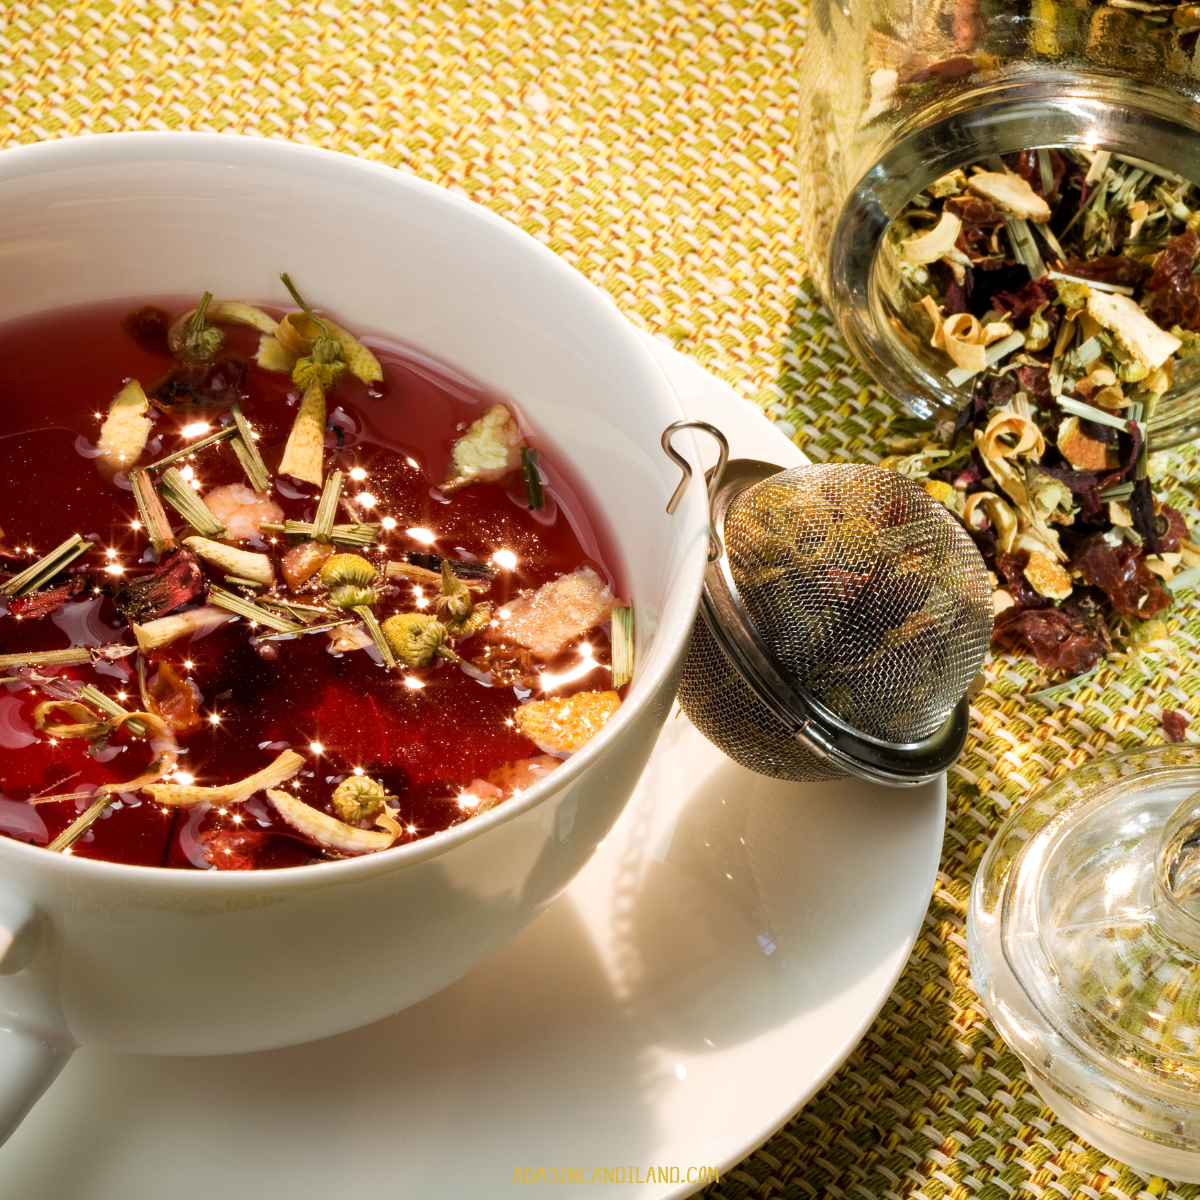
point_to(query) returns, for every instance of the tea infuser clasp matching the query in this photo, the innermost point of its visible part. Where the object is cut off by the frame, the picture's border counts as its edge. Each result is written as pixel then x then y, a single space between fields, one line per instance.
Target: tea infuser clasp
pixel 714 483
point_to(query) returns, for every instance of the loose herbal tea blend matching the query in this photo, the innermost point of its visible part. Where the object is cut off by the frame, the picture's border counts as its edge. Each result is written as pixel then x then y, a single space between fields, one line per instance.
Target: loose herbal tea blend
pixel 1059 286
pixel 273 596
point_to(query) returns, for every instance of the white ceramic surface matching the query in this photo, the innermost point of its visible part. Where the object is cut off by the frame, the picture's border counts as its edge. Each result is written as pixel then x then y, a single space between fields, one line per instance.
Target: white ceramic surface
pixel 184 962
pixel 697 983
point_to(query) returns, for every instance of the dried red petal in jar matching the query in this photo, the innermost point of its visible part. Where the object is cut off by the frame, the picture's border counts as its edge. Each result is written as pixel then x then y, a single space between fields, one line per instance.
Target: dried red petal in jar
pixel 1116 269
pixel 200 387
pixel 1172 291
pixel 1121 575
pixel 173 699
pixel 1020 305
pixel 1172 529
pixel 1012 567
pixel 177 579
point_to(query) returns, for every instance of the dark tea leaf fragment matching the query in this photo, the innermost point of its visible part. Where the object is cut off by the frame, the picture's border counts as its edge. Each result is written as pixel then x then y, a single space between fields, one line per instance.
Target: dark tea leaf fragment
pixel 200 387
pixel 148 327
pixel 177 579
pixel 464 570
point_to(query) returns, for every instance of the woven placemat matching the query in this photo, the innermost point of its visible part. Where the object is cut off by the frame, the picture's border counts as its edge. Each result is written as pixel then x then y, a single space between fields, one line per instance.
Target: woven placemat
pixel 651 145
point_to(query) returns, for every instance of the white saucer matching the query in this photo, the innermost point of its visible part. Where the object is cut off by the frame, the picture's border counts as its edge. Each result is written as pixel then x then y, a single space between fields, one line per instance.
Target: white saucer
pixel 713 965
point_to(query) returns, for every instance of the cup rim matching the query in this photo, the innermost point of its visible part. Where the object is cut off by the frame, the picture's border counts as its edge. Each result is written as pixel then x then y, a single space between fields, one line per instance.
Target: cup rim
pixel 234 150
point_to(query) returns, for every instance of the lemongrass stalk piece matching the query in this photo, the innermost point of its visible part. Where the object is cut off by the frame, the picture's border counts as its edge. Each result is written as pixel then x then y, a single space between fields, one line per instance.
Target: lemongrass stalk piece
pixel 325 830
pixel 247 452
pixel 303 456
pixel 250 610
pixel 183 499
pixel 341 535
pixel 186 794
pixel 165 630
pixel 244 563
pixel 46 567
pixel 622 646
pixel 372 624
pixel 226 431
pixel 331 496
pixel 79 654
pixel 154 516
pixel 273 355
pixel 125 430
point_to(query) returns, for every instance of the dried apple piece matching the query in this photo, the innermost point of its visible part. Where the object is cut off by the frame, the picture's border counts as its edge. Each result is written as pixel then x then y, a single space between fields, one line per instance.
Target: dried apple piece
pixel 302 562
pixel 326 830
pixel 125 430
pixel 245 564
pixel 197 623
pixel 488 451
pixel 172 699
pixel 548 619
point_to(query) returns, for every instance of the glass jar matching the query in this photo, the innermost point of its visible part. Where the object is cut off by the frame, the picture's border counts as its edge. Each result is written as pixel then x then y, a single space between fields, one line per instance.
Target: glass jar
pixel 1083 932
pixel 896 95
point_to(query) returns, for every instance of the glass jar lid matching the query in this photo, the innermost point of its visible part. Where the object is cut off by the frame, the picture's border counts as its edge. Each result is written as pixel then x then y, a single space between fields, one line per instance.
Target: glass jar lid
pixel 1084 939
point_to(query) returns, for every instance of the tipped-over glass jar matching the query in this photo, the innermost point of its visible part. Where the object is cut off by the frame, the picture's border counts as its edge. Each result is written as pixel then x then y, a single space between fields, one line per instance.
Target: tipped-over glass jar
pixel 896 97
pixel 1084 939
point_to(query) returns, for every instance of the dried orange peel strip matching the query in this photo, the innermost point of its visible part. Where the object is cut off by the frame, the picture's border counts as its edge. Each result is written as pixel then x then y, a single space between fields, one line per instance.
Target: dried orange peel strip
pixel 566 724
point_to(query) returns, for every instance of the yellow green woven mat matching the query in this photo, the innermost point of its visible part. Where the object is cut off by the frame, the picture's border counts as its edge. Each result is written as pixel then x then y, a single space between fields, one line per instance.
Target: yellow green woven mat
pixel 651 145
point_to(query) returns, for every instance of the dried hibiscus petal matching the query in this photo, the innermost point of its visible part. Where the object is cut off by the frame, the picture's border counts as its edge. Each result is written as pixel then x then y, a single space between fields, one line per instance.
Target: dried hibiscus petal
pixel 255 850
pixel 1121 575
pixel 177 579
pixel 1028 167
pixel 1025 301
pixel 40 604
pixel 200 387
pixel 1116 269
pixel 1066 640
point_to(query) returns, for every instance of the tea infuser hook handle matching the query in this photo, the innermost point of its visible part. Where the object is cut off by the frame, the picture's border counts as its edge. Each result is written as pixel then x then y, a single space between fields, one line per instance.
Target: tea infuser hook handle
pixel 714 537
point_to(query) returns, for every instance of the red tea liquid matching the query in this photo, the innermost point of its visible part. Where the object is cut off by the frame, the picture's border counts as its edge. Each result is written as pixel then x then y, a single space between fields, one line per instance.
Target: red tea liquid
pixel 59 373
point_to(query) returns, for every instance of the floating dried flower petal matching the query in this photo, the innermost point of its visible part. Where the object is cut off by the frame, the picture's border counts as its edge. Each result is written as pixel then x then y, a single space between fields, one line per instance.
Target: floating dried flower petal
pixel 176 579
pixel 300 563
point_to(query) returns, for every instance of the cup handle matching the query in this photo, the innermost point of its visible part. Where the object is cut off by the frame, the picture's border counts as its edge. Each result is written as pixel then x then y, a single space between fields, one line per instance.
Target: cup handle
pixel 29 1059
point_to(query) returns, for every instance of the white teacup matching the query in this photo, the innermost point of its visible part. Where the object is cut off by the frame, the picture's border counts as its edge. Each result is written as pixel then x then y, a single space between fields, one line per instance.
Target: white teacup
pixel 181 962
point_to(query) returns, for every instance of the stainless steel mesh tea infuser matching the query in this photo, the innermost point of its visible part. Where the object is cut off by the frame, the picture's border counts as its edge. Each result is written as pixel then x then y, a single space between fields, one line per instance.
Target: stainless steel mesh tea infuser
pixel 844 614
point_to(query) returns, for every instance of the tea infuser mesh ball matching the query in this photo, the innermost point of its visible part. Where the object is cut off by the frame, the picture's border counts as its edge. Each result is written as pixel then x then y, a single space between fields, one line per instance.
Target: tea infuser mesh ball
pixel 844 614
